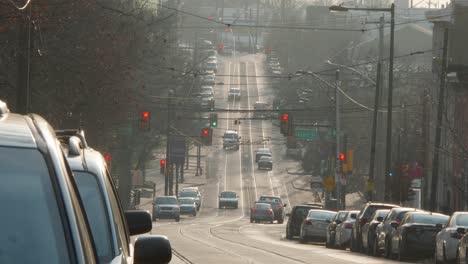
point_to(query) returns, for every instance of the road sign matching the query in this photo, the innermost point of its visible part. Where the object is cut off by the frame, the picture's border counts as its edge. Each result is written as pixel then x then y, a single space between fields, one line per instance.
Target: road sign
pixel 307 134
pixel 329 183
pixel 177 149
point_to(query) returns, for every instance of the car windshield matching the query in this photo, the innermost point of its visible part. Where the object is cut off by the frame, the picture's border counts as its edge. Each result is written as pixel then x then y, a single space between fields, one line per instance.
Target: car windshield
pixel 186 201
pixel 302 212
pixel 262 206
pixel 97 213
pixel 429 219
pixel 341 216
pixel 264 158
pixel 31 225
pixel 188 194
pixel 228 195
pixel 166 200
pixel 321 215
pixel 230 136
pixel 270 199
pixel 462 220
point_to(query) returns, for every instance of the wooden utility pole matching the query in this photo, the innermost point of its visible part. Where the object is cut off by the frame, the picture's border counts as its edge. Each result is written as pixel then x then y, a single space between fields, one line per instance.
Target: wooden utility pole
pixel 24 64
pixel 440 108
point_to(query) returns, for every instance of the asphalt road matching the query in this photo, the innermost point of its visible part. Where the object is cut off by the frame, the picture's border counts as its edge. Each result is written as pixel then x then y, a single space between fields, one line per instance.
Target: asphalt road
pixel 226 235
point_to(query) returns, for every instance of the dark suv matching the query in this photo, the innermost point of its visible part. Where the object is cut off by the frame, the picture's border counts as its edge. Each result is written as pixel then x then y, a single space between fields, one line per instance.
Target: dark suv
pixel 296 217
pixel 362 218
pixel 44 220
pixel 106 218
pixel 277 206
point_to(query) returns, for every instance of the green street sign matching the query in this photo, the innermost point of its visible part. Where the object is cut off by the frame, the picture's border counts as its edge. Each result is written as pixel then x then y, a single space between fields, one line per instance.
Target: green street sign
pixel 307 134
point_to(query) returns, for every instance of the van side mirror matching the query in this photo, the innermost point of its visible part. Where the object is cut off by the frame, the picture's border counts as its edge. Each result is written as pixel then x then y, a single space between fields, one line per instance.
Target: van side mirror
pixel 380 218
pixel 337 221
pixel 394 224
pixel 152 249
pixel 461 230
pixel 327 221
pixel 139 222
pixel 285 205
pixel 353 216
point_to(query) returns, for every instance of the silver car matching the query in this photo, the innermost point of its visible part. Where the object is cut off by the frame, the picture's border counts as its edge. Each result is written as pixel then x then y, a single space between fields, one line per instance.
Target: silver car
pixel 166 207
pixel 192 192
pixel 447 239
pixel 265 163
pixel 188 206
pixel 462 252
pixel 343 230
pixel 262 212
pixel 314 226
pixel 228 199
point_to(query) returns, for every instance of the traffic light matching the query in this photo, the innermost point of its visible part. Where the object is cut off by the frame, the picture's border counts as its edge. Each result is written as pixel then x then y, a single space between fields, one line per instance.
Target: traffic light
pixel 220 47
pixel 276 105
pixel 144 123
pixel 207 136
pixel 108 161
pixel 285 126
pixel 213 120
pixel 211 105
pixel 342 157
pixel 162 164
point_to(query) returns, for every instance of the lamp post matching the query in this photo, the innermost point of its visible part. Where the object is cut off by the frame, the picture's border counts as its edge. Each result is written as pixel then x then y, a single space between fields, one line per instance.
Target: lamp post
pixel 388 154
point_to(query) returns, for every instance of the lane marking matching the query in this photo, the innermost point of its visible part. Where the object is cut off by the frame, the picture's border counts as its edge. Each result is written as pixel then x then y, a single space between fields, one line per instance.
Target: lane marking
pixel 250 136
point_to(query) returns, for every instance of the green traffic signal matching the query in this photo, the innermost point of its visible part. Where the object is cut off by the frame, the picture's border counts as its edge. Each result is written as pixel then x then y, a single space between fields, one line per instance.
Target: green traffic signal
pixel 214 124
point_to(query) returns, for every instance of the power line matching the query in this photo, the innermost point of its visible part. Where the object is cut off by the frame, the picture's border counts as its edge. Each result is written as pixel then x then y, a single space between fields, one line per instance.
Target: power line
pixel 21 8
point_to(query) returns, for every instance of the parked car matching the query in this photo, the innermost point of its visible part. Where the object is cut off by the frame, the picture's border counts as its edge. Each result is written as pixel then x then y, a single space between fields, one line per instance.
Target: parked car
pixel 211 66
pixel 462 249
pixel 368 230
pixel 265 163
pixel 234 93
pixel 331 229
pixel 208 79
pixel 447 239
pixel 166 207
pixel 99 197
pixel 384 231
pixel 228 199
pixel 231 139
pixel 343 230
pixel 277 205
pixel 296 217
pixel 192 192
pixel 207 89
pixel 262 212
pixel 188 206
pixel 314 226
pixel 415 236
pixel 262 152
pixel 362 219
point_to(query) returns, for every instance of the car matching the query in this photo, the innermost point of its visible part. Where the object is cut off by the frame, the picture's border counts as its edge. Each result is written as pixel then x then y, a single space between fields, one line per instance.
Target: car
pixel 228 199
pixel 295 218
pixel 207 89
pixel 234 93
pixel 166 207
pixel 231 139
pixel 362 219
pixel 212 59
pixel 277 205
pixel 331 228
pixel 462 248
pixel 188 206
pixel 208 95
pixel 99 197
pixel 206 101
pixel 260 108
pixel 193 192
pixel 448 238
pixel 211 66
pixel 384 231
pixel 314 226
pixel 262 212
pixel 262 152
pixel 343 230
pixel 44 220
pixel 368 230
pixel 415 236
pixel 208 79
pixel 265 163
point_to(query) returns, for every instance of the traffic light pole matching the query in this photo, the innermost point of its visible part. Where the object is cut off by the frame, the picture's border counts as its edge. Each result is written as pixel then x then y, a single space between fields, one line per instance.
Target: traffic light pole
pixel 168 149
pixel 339 170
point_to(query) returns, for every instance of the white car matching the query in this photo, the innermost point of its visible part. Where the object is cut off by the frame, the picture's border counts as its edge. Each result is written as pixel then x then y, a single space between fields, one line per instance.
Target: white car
pixel 234 93
pixel 343 230
pixel 447 239
pixel 209 79
pixel 192 192
pixel 231 139
pixel 207 89
pixel 211 66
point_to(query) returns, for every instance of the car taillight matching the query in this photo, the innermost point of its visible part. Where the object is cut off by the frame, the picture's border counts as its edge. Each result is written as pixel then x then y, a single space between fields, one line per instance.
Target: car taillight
pixel 253 211
pixel 270 211
pixel 308 222
pixel 456 235
pixel 280 206
pixel 348 226
pixel 362 221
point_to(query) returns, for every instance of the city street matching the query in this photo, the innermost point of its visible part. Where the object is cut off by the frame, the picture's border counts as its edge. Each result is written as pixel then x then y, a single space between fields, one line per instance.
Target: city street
pixel 226 235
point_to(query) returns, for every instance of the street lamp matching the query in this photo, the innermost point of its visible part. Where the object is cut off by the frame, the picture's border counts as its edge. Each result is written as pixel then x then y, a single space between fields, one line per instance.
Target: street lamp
pixel 388 154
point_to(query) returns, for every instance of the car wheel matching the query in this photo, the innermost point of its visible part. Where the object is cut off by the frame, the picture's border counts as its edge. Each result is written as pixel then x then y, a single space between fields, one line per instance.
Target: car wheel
pixel 352 247
pixel 271 221
pixel 302 240
pixel 237 206
pixel 280 221
pixel 177 219
pixel 251 220
pixel 388 249
pixel 375 250
pixel 288 234
pixel 401 254
pixel 444 254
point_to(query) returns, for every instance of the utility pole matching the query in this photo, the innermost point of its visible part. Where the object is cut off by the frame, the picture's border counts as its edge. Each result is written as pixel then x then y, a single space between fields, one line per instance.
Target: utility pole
pixel 371 182
pixel 197 173
pixel 440 108
pixel 388 154
pixel 256 25
pixel 168 147
pixel 338 169
pixel 24 64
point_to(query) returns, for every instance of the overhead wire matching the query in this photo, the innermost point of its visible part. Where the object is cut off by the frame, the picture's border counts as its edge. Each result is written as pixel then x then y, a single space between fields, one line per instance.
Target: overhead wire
pixel 21 8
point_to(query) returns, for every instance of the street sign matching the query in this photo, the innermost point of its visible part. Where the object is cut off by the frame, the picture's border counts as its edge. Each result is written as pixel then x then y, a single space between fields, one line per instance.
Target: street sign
pixel 177 149
pixel 307 134
pixel 329 183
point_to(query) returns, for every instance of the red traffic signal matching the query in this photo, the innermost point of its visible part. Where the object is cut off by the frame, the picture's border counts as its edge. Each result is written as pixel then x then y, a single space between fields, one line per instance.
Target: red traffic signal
pixel 162 162
pixel 145 114
pixel 108 158
pixel 205 132
pixel 285 117
pixel 341 157
pixel 220 46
